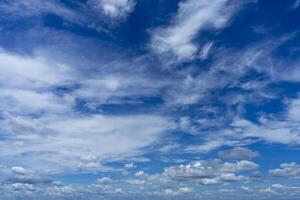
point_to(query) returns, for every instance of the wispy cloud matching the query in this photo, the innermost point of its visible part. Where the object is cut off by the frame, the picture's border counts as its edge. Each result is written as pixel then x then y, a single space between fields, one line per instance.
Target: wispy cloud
pixel 132 122
pixel 191 19
pixel 38 118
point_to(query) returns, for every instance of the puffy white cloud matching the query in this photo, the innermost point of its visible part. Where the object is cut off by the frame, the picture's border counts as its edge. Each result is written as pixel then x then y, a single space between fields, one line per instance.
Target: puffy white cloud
pixel 23 187
pixel 185 190
pixel 170 192
pixel 176 192
pixel 119 190
pixel 230 177
pixel 211 172
pixel 104 181
pixel 140 173
pixel 198 170
pixel 286 170
pixel 22 177
pixel 21 171
pixel 239 166
pixel 114 9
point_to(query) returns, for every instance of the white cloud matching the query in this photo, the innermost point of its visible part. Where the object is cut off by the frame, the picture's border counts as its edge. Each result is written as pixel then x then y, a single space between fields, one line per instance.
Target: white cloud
pixel 129 165
pixel 104 181
pixel 114 9
pixel 189 90
pixel 238 153
pixel 140 173
pixel 294 110
pixel 270 131
pixel 29 72
pixel 287 170
pixel 280 190
pixel 30 101
pixel 37 118
pixel 239 166
pixel 185 190
pixel 44 125
pixel 193 16
pixel 170 192
pixel 135 182
pixel 89 14
pixel 241 132
pixel 230 177
pixel 211 172
pixel 209 145
pixel 18 9
pixel 205 51
pixel 89 162
pixel 247 189
pixel 70 137
pixel 21 171
pixel 169 148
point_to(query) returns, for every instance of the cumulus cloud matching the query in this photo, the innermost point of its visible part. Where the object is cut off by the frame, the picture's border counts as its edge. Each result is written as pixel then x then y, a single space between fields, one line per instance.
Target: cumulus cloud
pixel 286 170
pixel 104 181
pixel 20 171
pixel 25 177
pixel 211 172
pixel 140 173
pixel 279 191
pixel 28 184
pixel 185 190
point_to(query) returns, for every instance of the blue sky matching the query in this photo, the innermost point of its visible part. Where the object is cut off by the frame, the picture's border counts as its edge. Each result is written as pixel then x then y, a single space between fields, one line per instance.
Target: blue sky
pixel 149 99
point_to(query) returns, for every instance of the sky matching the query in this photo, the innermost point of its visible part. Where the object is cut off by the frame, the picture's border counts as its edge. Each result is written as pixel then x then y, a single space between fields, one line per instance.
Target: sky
pixel 149 99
